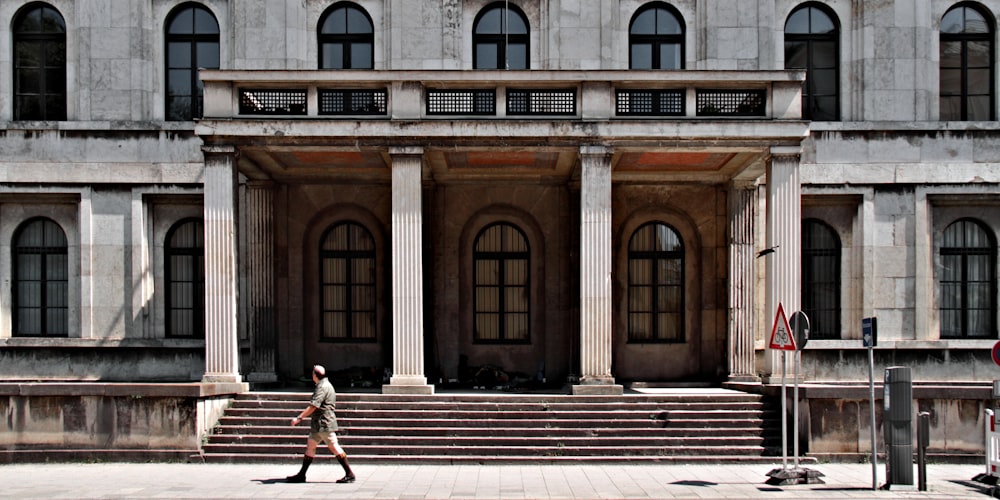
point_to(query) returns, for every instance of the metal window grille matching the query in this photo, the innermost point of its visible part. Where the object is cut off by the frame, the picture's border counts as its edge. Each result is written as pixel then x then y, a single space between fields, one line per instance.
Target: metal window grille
pixel 352 101
pixel 731 102
pixel 272 101
pixel 461 102
pixel 541 102
pixel 649 102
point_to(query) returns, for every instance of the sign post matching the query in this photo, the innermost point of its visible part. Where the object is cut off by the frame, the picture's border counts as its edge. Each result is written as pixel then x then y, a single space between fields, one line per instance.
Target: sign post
pixel 869 336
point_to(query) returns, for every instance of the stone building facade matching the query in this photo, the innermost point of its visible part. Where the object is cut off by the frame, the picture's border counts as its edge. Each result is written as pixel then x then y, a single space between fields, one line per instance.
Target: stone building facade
pixel 199 196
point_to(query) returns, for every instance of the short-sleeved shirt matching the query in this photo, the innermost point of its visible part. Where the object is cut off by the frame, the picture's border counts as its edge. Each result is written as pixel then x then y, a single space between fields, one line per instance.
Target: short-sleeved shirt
pixel 324 398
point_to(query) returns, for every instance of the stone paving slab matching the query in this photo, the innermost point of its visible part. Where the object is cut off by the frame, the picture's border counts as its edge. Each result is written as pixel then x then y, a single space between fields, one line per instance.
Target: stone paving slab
pixel 376 481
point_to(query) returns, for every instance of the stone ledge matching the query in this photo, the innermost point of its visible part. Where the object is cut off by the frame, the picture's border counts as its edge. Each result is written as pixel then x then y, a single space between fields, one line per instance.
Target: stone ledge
pixel 183 390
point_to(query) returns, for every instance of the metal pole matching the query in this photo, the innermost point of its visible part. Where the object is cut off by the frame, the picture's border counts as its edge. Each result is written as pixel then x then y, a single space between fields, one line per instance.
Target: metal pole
pixel 795 408
pixel 784 416
pixel 871 388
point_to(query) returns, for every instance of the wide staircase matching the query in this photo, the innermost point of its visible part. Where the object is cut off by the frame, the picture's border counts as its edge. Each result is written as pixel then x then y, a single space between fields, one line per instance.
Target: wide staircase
pixel 712 425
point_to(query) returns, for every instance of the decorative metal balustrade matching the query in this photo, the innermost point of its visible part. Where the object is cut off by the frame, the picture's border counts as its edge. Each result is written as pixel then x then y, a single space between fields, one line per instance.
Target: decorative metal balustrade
pixel 570 95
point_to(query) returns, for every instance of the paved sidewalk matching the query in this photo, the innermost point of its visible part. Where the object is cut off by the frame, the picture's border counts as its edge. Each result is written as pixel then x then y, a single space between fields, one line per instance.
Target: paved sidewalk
pixel 465 481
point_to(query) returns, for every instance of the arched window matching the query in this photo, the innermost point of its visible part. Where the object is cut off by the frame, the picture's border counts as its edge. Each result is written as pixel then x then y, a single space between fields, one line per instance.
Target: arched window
pixel 966 72
pixel 812 43
pixel 41 280
pixel 39 34
pixel 346 38
pixel 347 284
pixel 500 38
pixel 656 38
pixel 821 279
pixel 184 263
pixel 655 284
pixel 192 38
pixel 501 285
pixel 968 281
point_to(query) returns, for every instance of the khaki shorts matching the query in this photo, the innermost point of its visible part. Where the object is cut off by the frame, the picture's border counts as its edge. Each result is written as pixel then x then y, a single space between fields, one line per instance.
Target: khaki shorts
pixel 321 437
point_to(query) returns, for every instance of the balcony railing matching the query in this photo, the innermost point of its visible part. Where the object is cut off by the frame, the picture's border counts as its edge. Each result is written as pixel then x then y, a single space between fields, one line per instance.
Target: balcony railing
pixel 429 95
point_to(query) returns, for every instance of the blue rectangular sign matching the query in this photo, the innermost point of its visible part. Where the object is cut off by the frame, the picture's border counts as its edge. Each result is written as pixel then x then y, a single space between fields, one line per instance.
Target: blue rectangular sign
pixel 869 331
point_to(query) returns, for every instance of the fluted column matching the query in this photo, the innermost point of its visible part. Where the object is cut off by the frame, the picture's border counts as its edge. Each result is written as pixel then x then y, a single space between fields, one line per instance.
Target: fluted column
pixel 784 228
pixel 260 280
pixel 742 281
pixel 221 340
pixel 407 276
pixel 595 273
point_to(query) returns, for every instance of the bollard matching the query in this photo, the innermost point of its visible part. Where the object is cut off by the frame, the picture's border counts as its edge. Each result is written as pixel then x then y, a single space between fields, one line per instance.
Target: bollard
pixel 923 439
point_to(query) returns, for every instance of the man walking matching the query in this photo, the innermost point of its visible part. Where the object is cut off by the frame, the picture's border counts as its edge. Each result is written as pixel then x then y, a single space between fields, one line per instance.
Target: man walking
pixel 322 428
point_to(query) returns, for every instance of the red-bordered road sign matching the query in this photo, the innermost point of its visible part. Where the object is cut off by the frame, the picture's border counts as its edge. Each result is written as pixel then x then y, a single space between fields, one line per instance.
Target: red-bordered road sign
pixel 995 353
pixel 781 335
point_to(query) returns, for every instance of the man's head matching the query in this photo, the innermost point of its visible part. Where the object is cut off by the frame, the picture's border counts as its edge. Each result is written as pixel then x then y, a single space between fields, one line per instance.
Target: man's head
pixel 318 372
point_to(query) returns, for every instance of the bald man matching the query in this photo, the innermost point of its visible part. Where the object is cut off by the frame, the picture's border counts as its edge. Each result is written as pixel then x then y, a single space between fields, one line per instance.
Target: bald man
pixel 322 428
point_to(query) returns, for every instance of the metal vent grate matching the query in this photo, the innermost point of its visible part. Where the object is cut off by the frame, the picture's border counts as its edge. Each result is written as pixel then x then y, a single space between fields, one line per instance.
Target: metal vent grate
pixel 541 102
pixel 272 101
pixel 353 101
pixel 461 102
pixel 649 102
pixel 731 102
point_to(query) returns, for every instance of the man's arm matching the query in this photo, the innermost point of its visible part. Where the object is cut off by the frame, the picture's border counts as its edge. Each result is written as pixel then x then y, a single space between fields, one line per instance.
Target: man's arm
pixel 305 413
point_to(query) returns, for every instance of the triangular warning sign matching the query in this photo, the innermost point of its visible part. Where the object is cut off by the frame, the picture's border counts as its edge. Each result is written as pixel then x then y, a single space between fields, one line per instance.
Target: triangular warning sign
pixel 781 335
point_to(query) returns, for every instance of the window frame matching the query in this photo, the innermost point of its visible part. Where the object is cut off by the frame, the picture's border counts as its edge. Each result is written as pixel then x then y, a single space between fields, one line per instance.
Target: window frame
pixel 964 39
pixel 44 288
pixel 350 255
pixel 198 294
pixel 347 39
pixel 833 280
pixel 810 96
pixel 656 257
pixel 502 258
pixel 56 111
pixel 657 40
pixel 196 105
pixel 990 251
pixel 503 39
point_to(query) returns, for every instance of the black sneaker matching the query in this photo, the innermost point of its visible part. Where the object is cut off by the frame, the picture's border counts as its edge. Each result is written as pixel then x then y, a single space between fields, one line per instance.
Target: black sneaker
pixel 298 478
pixel 346 479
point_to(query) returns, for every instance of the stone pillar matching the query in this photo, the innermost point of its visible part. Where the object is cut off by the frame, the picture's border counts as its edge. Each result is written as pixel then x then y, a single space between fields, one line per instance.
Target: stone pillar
pixel 595 273
pixel 742 200
pixel 784 228
pixel 407 275
pixel 260 280
pixel 221 340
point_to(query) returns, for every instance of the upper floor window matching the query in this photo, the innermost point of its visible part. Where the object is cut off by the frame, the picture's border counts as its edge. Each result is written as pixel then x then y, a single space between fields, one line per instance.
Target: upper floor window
pixel 39 35
pixel 966 72
pixel 346 38
pixel 184 267
pixel 968 281
pixel 192 38
pixel 40 280
pixel 347 283
pixel 655 284
pixel 812 43
pixel 500 38
pixel 656 38
pixel 501 285
pixel 821 279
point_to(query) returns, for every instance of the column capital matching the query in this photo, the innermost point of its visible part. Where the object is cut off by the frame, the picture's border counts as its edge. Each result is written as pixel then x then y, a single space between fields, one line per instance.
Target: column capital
pixel 219 149
pixel 596 150
pixel 406 151
pixel 786 153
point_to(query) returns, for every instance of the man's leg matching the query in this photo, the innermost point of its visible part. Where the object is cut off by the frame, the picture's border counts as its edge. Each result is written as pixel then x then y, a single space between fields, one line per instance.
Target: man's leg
pixel 341 455
pixel 307 460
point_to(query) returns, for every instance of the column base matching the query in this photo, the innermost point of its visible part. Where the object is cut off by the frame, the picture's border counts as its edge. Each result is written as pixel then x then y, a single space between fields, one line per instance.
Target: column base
pixel 597 386
pixel 221 378
pixel 402 384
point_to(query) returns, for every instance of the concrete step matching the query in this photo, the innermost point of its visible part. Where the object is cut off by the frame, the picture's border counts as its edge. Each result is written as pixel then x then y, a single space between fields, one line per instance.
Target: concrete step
pixel 467 428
